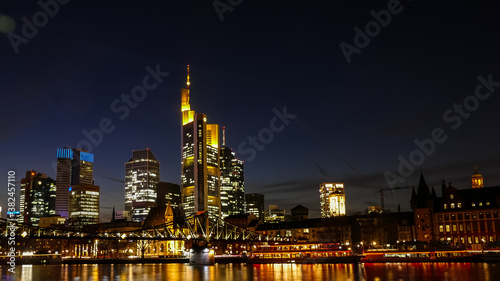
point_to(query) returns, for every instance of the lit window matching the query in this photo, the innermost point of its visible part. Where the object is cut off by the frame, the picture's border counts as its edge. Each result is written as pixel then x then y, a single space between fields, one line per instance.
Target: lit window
pixel 473 204
pixel 487 203
pixel 444 206
pixel 452 205
pixel 447 228
pixel 459 205
pixel 480 203
pixel 441 228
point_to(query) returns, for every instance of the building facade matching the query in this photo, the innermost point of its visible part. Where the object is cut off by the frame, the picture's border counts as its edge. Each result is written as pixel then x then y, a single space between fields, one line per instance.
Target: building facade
pixel 275 215
pixel 200 172
pixel 460 217
pixel 300 213
pixel 83 205
pixel 423 202
pixel 142 174
pixel 255 204
pixel 38 197
pixel 332 198
pixel 232 190
pixel 359 230
pixel 468 217
pixel 168 193
pixel 74 166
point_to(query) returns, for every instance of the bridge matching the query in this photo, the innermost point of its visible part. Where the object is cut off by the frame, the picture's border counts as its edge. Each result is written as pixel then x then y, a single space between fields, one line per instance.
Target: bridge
pixel 170 238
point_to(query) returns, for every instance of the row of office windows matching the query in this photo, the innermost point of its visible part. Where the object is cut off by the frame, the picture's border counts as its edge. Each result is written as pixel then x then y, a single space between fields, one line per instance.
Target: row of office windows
pixel 468 216
pixel 468 227
pixel 459 205
pixel 469 239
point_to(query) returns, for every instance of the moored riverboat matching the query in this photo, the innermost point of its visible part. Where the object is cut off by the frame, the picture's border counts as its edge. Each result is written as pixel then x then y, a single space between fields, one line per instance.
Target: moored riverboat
pixel 441 255
pixel 304 253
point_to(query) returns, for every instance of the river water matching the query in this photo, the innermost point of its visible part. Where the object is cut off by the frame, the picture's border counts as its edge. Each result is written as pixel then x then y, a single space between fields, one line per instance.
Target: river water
pixel 316 272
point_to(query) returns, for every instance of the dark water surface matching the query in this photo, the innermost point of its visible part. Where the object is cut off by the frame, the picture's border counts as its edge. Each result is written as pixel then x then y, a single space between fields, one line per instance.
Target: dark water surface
pixel 185 272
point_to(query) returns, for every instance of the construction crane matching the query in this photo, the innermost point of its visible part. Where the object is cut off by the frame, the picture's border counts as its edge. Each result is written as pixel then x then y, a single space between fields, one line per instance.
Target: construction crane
pixel 381 192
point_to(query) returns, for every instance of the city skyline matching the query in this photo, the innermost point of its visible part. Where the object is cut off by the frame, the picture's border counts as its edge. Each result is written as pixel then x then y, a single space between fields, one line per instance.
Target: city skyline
pixel 73 154
pixel 347 122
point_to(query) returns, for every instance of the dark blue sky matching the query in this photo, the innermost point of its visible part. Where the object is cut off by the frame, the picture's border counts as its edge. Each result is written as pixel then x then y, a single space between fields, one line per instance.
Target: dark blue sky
pixel 352 121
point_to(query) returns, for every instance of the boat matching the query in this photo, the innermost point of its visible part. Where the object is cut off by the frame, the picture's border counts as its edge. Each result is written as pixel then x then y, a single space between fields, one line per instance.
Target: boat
pixel 303 253
pixel 437 255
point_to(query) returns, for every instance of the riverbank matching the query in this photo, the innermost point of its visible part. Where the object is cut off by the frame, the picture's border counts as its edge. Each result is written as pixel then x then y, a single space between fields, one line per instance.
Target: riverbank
pixel 146 260
pixel 123 260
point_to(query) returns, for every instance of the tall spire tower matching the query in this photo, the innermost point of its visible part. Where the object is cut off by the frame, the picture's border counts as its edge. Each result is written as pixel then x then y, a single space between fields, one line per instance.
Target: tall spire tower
pixel 200 170
pixel 187 113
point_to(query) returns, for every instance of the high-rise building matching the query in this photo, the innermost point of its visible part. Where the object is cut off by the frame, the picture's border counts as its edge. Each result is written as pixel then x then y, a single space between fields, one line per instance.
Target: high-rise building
pixel 255 204
pixel 83 205
pixel 168 193
pixel 38 197
pixel 142 174
pixel 332 197
pixel 74 166
pixel 200 172
pixel 232 187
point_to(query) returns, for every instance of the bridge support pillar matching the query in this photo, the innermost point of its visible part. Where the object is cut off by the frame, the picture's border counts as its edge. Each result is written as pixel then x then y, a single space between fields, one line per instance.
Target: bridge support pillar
pixel 201 254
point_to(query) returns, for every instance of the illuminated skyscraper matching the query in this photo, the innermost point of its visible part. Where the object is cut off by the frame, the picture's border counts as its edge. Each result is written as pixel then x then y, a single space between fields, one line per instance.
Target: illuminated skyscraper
pixel 83 205
pixel 142 174
pixel 38 197
pixel 200 172
pixel 232 187
pixel 74 166
pixel 255 204
pixel 332 197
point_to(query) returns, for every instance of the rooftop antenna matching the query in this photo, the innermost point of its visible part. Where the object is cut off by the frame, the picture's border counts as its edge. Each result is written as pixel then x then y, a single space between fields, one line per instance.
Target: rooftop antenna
pixel 224 136
pixel 188 82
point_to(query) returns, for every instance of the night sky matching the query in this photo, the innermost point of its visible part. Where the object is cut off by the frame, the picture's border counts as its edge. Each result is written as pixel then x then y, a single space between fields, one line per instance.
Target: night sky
pixel 352 120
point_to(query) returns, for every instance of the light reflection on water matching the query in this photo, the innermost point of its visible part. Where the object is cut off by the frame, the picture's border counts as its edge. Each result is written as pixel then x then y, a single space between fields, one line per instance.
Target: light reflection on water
pixel 316 272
